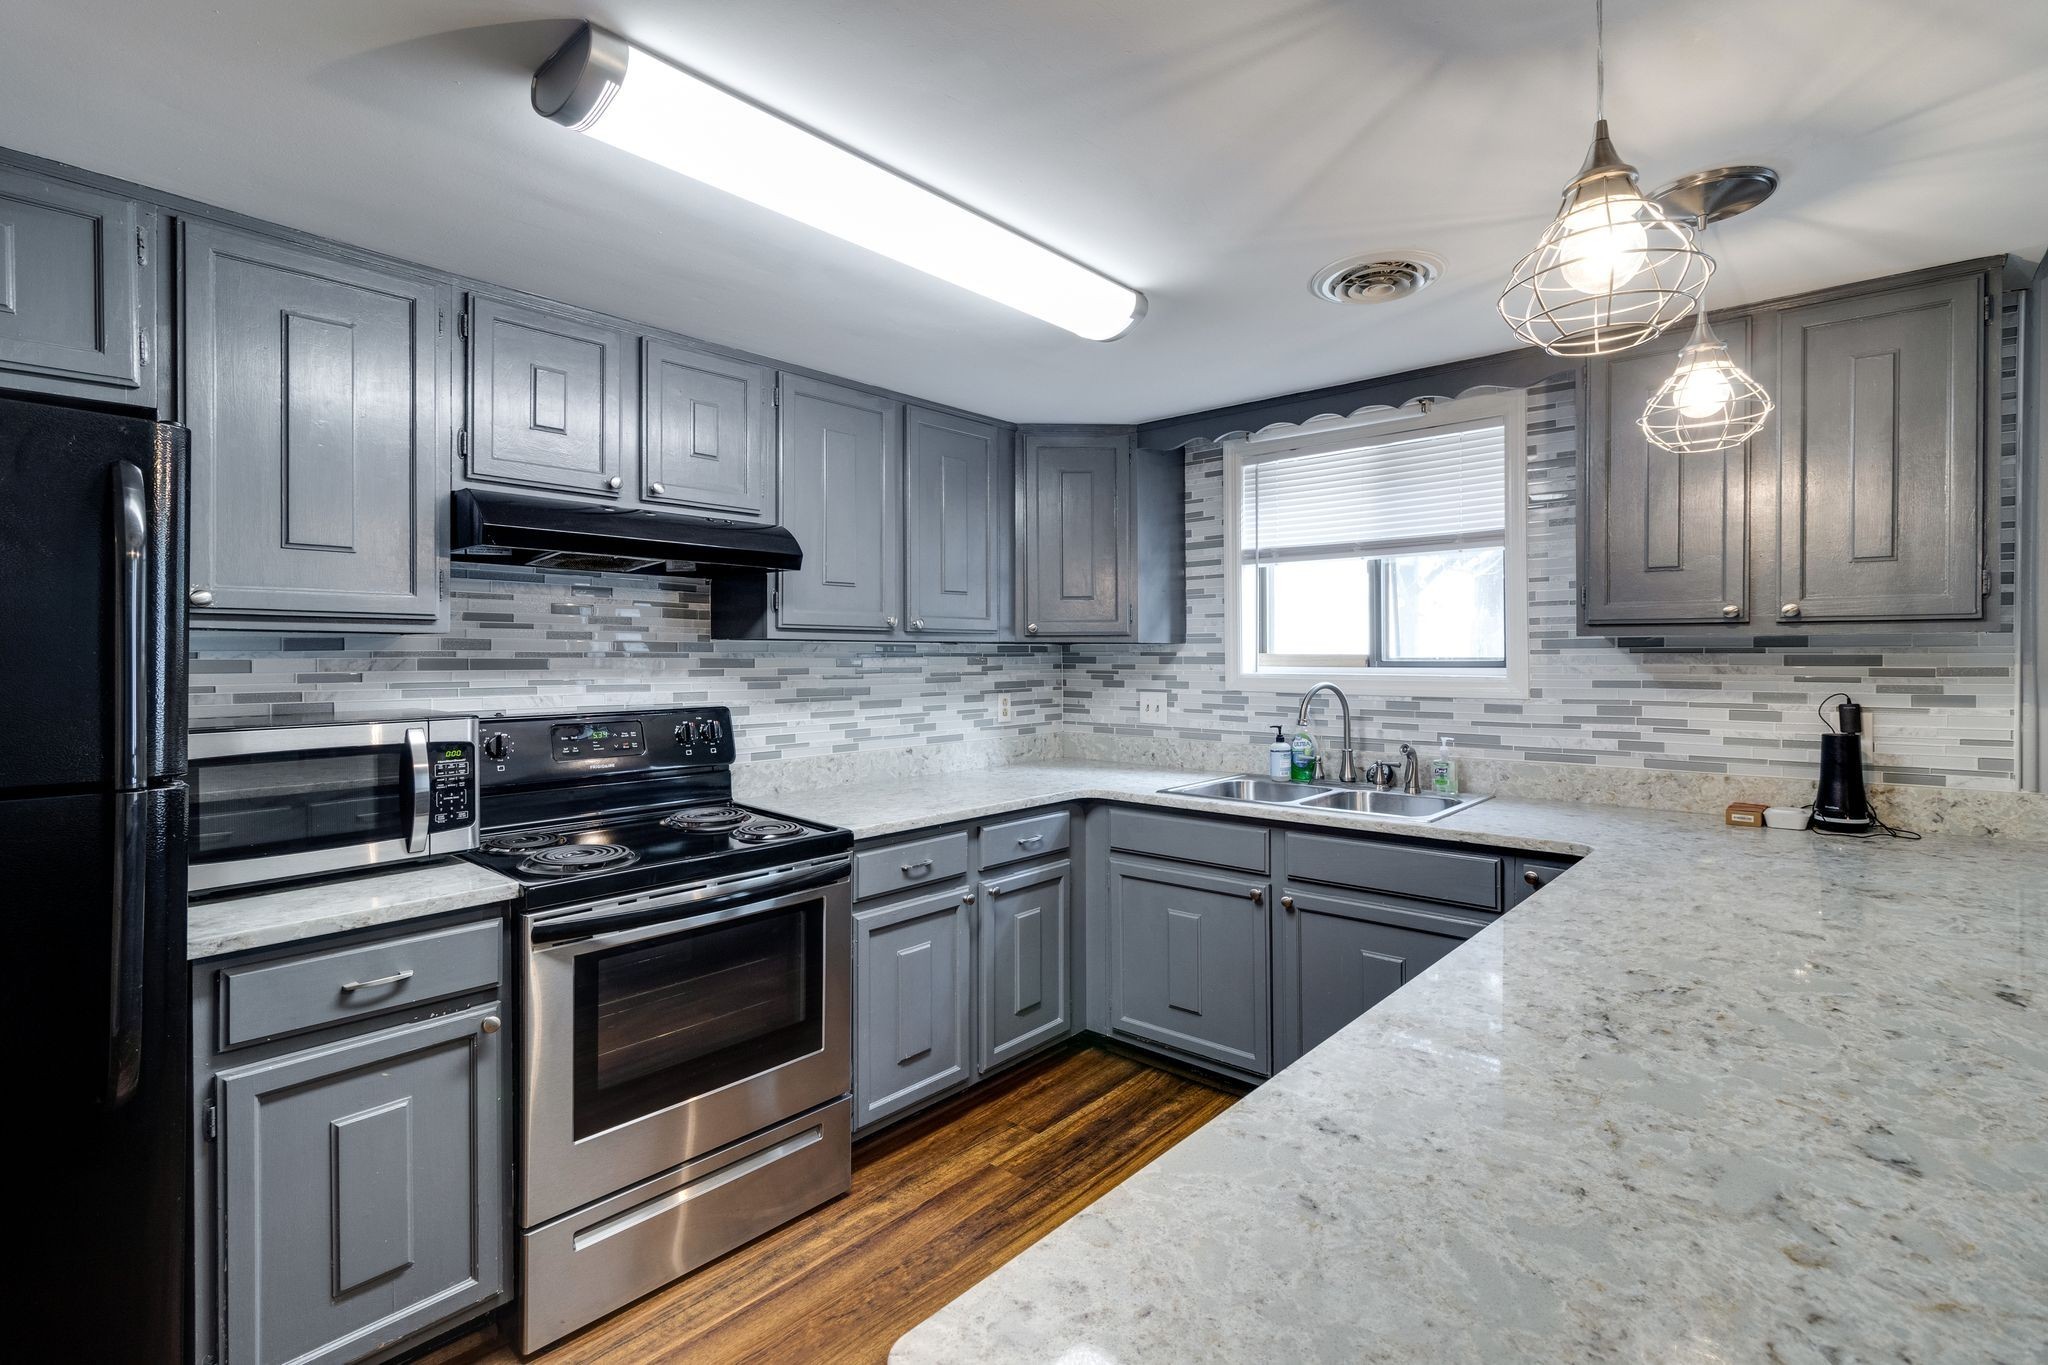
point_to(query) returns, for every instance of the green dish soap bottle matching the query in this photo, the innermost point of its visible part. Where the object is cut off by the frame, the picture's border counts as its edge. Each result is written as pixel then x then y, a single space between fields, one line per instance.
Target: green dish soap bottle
pixel 1302 767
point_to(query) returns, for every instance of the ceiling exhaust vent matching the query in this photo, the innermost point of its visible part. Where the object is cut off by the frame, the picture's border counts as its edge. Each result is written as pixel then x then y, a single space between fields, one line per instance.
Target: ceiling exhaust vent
pixel 1378 277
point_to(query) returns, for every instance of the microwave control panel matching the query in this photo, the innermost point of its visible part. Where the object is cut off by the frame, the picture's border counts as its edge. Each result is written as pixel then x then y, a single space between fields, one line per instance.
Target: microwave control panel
pixel 453 803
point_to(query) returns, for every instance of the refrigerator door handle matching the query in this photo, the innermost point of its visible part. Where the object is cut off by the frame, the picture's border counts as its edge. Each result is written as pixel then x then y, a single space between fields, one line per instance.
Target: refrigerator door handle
pixel 422 788
pixel 131 910
pixel 131 632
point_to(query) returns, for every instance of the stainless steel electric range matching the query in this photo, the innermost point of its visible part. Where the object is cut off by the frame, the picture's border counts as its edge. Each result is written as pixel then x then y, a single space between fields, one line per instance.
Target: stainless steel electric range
pixel 685 1055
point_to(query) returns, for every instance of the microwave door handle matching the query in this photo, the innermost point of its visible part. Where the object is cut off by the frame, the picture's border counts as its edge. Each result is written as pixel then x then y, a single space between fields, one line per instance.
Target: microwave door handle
pixel 422 788
pixel 125 987
pixel 131 595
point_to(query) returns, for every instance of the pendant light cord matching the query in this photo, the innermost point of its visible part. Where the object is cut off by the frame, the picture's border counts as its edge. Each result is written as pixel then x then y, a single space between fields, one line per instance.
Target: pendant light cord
pixel 1599 59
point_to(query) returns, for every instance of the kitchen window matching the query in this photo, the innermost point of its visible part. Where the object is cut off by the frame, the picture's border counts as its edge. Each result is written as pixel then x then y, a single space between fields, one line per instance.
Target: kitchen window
pixel 1386 554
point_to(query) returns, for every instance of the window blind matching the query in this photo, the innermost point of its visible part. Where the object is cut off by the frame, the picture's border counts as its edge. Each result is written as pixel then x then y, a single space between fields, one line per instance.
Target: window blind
pixel 1437 489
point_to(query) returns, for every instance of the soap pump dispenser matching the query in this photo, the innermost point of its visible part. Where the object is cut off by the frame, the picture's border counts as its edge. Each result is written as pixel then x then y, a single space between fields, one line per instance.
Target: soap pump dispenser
pixel 1279 756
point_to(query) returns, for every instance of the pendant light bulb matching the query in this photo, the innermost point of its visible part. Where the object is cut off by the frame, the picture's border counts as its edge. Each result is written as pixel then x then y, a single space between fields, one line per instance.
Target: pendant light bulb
pixel 1609 243
pixel 1703 389
pixel 1708 404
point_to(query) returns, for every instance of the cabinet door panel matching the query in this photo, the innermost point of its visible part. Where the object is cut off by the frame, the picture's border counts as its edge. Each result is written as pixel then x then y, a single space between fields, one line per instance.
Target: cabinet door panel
pixel 911 993
pixel 1339 957
pixel 545 397
pixel 74 300
pixel 1190 961
pixel 1024 978
pixel 842 497
pixel 362 1190
pixel 1668 535
pixel 708 432
pixel 1077 553
pixel 1883 462
pixel 312 389
pixel 955 492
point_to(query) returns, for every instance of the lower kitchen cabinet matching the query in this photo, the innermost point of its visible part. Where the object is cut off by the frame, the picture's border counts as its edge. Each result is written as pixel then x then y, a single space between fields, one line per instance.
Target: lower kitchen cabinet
pixel 1026 926
pixel 1341 954
pixel 362 1192
pixel 912 994
pixel 1527 876
pixel 1189 961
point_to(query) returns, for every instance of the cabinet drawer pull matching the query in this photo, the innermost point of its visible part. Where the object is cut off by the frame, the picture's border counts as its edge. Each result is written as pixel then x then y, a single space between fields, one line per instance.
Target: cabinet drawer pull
pixel 375 981
pixel 967 898
pixel 200 597
pixel 917 623
pixel 490 1023
pixel 1258 895
pixel 615 482
pixel 1533 877
pixel 1731 611
pixel 1789 609
pixel 1031 629
pixel 1287 902
pixel 922 865
pixel 1030 840
pixel 657 490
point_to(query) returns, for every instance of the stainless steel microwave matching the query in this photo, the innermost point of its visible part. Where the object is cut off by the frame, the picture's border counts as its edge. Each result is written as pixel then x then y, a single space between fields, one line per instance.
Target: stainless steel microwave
pixel 301 800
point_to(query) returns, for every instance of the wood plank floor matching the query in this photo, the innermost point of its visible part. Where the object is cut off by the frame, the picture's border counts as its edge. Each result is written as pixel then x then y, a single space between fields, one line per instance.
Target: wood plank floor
pixel 937 1203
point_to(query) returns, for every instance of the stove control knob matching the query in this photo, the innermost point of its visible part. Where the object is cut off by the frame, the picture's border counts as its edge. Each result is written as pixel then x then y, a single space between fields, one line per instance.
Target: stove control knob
pixel 497 745
pixel 686 734
pixel 709 731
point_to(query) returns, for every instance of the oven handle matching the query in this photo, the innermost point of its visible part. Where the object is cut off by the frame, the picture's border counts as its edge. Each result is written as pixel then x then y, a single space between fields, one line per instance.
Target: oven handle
pixel 748 896
pixel 422 788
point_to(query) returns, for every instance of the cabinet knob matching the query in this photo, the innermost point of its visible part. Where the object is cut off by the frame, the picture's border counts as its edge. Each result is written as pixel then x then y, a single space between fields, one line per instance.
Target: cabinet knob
pixel 1287 902
pixel 1731 611
pixel 656 489
pixel 1258 895
pixel 889 621
pixel 917 623
pixel 967 898
pixel 615 482
pixel 1789 609
pixel 1031 629
pixel 200 597
pixel 1533 877
pixel 490 1023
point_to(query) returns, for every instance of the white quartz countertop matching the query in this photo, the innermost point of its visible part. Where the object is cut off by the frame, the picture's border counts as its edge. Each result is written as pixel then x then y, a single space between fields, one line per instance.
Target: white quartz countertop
pixel 1717 1095
pixel 265 918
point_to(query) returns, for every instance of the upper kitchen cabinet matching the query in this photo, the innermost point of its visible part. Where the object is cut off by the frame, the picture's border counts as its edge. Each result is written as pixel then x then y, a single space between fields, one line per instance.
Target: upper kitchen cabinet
pixel 957 494
pixel 1100 552
pixel 77 299
pixel 1666 535
pixel 842 498
pixel 1881 463
pixel 546 398
pixel 314 384
pixel 707 433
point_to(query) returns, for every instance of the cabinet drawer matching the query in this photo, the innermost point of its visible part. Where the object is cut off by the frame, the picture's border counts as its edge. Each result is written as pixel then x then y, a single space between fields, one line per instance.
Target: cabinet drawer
pixel 1220 843
pixel 354 983
pixel 908 866
pixel 1014 840
pixel 1527 876
pixel 1457 878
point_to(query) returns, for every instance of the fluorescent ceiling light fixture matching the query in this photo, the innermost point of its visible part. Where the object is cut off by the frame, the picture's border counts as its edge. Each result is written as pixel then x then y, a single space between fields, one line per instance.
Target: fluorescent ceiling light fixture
pixel 600 84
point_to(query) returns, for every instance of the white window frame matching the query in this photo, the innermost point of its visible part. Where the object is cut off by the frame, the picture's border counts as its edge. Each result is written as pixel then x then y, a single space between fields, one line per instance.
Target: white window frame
pixel 1240 670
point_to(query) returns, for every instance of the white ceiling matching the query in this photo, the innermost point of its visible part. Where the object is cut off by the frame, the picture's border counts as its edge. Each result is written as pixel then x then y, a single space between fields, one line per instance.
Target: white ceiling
pixel 1212 153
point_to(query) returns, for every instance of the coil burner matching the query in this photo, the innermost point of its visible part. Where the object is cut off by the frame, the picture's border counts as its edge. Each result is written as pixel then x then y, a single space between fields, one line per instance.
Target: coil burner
pixel 707 819
pixel 768 831
pixel 520 843
pixel 568 860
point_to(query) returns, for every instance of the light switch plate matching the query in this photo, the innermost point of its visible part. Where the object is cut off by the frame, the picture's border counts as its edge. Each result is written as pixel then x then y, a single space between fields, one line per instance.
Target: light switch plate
pixel 1151 704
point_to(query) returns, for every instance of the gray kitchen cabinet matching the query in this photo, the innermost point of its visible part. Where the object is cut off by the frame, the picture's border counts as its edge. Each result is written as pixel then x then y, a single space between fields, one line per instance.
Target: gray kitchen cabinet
pixel 913 987
pixel 314 387
pixel 1666 536
pixel 707 433
pixel 1341 953
pixel 1025 932
pixel 1100 552
pixel 361 1191
pixel 1881 455
pixel 956 490
pixel 841 476
pixel 1189 954
pixel 77 302
pixel 1527 876
pixel 546 398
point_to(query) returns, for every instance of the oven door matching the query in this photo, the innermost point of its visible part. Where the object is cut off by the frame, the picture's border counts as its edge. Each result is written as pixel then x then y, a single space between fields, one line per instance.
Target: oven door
pixel 664 1026
pixel 300 800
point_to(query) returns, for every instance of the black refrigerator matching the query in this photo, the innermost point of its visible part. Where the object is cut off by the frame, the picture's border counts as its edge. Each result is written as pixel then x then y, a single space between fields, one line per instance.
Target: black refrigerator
pixel 92 880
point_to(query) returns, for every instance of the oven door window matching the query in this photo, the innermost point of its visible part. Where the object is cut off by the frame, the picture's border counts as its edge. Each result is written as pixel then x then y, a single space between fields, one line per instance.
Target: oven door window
pixel 661 1022
pixel 262 805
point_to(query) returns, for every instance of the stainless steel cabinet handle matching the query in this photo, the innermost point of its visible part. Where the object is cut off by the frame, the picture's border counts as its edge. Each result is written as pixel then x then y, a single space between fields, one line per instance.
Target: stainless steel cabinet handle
pixel 1030 840
pixel 1031 629
pixel 889 621
pixel 1287 902
pixel 1258 895
pixel 615 482
pixel 1789 609
pixel 1533 877
pixel 1731 611
pixel 200 597
pixel 967 898
pixel 490 1023
pixel 350 987
pixel 917 623
pixel 656 489
pixel 922 865
pixel 422 788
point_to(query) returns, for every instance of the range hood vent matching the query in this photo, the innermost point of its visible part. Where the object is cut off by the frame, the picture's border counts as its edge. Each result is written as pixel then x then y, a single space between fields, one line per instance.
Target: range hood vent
pixel 500 528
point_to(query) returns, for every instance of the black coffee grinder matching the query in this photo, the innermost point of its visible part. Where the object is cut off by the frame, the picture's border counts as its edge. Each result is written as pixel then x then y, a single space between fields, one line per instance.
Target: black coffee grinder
pixel 1840 806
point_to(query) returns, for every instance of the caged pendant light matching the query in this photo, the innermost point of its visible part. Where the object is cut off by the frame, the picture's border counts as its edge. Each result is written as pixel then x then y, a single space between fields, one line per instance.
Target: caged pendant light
pixel 1614 269
pixel 1709 403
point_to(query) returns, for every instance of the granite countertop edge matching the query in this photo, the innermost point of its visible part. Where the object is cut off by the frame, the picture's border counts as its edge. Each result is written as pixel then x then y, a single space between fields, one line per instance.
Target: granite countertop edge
pixel 270 916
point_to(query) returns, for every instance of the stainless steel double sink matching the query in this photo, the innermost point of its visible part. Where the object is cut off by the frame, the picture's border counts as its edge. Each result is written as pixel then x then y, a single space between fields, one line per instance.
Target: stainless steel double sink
pixel 1388 805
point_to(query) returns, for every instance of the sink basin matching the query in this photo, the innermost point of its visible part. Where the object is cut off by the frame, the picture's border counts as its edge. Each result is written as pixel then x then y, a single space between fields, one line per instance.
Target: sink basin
pixel 1254 789
pixel 1392 805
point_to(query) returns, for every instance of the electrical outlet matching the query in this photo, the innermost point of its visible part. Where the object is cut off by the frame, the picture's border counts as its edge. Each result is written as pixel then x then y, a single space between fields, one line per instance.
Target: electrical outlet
pixel 1003 708
pixel 1151 704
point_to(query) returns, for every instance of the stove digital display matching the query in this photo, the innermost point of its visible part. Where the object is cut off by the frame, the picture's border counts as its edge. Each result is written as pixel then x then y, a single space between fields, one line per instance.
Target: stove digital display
pixel 612 739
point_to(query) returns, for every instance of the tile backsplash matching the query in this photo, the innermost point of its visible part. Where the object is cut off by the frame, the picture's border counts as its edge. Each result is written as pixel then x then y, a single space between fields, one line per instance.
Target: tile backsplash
pixel 1942 701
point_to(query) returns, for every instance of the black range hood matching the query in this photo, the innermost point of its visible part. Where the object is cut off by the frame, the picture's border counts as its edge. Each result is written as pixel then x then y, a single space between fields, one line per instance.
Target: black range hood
pixel 501 528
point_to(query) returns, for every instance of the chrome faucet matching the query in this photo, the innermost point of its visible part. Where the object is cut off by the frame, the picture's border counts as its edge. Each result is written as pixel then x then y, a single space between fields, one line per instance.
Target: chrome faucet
pixel 1347 770
pixel 1411 771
